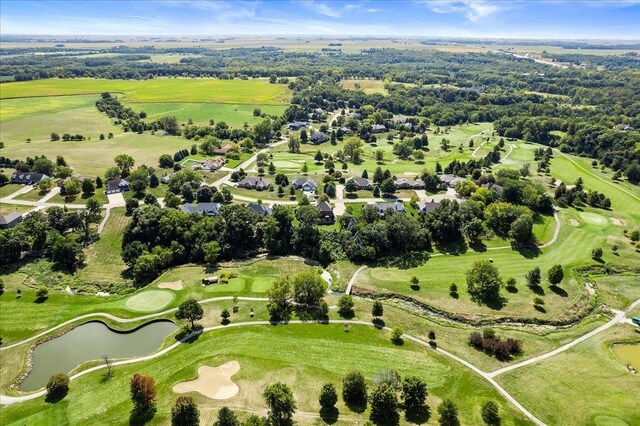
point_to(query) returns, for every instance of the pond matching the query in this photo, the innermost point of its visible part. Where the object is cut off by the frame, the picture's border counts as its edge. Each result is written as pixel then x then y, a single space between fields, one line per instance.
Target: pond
pixel 628 354
pixel 91 341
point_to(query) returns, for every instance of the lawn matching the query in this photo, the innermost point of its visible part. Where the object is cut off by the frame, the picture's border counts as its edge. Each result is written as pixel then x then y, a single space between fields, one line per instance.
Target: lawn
pixel 303 356
pixel 8 208
pixel 99 196
pixel 8 189
pixel 201 90
pixel 34 195
pixel 585 385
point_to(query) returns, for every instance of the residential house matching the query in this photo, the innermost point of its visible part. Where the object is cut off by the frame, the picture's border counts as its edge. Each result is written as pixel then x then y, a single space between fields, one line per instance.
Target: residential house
pixel 297 125
pixel 397 207
pixel 325 212
pixel 115 186
pixel 205 209
pixel 399 120
pixel 625 127
pixel 418 184
pixel 318 137
pixel 344 131
pixel 426 207
pixel 495 188
pixel 378 128
pixel 361 183
pixel 305 184
pixel 27 178
pixel 260 209
pixel 449 181
pixel 254 182
pixel 166 179
pixel 9 220
pixel 403 183
pixel 211 164
pixel 355 115
pixel 223 150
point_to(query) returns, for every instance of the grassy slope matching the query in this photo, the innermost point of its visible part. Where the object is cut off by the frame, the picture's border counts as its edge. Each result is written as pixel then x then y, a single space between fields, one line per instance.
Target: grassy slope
pixel 159 90
pixel 587 380
pixel 11 109
pixel 303 356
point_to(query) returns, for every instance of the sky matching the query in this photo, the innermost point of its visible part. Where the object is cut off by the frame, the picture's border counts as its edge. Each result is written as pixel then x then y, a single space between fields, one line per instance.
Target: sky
pixel 558 19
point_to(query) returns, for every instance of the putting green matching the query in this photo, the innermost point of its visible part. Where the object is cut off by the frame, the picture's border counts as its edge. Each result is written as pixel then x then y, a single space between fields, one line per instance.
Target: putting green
pixel 609 421
pixel 593 218
pixel 150 300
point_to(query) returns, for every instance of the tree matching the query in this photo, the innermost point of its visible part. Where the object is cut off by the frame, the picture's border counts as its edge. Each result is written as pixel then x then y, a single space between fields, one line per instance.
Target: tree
pixel 379 156
pixel 354 389
pixel 533 277
pixel 147 268
pixel 466 188
pixel 191 311
pixel 42 293
pixel 396 335
pixel 388 186
pixel 225 315
pixel 153 181
pixel 555 274
pixel 57 387
pixel 596 253
pixel 448 414
pixel 490 413
pixel 484 282
pixel 98 182
pixel 377 309
pixel 521 229
pixel 211 252
pixel 124 162
pixel 432 335
pixel 88 187
pixel 633 173
pixel 352 147
pixel 384 405
pixel 279 299
pixel 294 143
pixel 308 288
pixel 414 393
pixel 226 417
pixel 55 137
pixel 345 306
pixel 44 185
pixel 185 412
pixel 328 396
pixel 166 161
pixel 143 395
pixel 71 187
pixel 279 400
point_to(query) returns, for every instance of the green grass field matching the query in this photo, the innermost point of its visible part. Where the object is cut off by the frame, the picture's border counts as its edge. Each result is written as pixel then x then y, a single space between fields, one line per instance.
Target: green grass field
pixel 235 115
pixel 11 109
pixel 257 91
pixel 303 356
pixel 585 385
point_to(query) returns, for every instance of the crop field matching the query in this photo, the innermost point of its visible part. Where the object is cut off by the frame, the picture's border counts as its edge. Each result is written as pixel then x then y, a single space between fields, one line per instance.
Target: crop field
pixel 12 109
pixel 589 375
pixel 369 86
pixel 307 357
pixel 257 91
pixel 235 115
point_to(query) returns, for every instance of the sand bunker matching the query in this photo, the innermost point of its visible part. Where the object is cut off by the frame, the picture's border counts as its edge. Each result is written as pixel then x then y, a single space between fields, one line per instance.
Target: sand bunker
pixel 573 222
pixel 172 285
pixel 213 382
pixel 617 221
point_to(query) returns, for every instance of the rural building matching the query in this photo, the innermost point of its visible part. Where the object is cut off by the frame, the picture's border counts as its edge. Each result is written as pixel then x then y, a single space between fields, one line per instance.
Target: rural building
pixel 344 131
pixel 223 150
pixel 209 280
pixel 211 164
pixel 260 209
pixel 253 182
pixel 449 181
pixel 355 115
pixel 426 207
pixel 307 185
pixel 318 138
pixel 378 128
pixel 166 179
pixel 397 207
pixel 325 212
pixel 27 178
pixel 205 209
pixel 418 184
pixel 115 186
pixel 9 220
pixel 361 183
pixel 297 125
pixel 495 188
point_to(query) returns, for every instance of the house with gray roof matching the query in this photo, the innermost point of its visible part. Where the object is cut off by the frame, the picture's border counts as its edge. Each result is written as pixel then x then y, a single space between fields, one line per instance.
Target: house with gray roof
pixel 305 184
pixel 9 220
pixel 317 138
pixel 115 186
pixel 205 209
pixel 361 183
pixel 254 182
pixel 383 208
pixel 325 212
pixel 260 209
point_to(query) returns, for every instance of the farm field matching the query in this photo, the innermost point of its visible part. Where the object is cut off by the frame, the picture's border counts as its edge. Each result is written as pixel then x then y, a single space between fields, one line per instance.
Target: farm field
pixel 573 374
pixel 307 356
pixel 257 91
pixel 235 115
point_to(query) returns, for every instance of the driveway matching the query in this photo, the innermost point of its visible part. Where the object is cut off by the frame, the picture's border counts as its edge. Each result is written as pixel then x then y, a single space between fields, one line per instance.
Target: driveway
pixel 116 200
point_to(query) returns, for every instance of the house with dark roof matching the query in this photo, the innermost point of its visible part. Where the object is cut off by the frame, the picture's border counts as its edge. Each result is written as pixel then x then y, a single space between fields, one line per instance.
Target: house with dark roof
pixel 205 209
pixel 305 184
pixel 297 125
pixel 115 186
pixel 260 209
pixel 494 187
pixel 254 182
pixel 426 207
pixel 383 208
pixel 317 138
pixel 361 183
pixel 28 178
pixel 9 220
pixel 325 212
pixel 418 184
pixel 378 128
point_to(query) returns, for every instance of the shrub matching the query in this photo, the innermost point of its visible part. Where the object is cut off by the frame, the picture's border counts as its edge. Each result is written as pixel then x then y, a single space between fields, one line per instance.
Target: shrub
pixel 57 387
pixel 596 253
pixel 185 412
pixel 396 335
pixel 492 344
pixel 328 396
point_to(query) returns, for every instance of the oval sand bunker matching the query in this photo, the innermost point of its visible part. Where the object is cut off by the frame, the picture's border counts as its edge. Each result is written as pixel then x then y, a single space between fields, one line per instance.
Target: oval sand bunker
pixel 213 382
